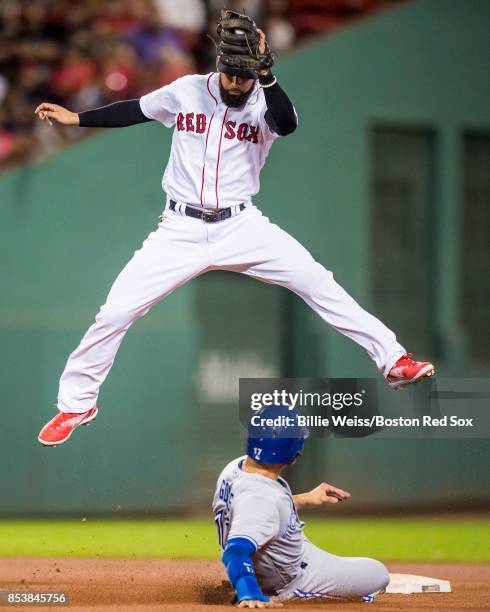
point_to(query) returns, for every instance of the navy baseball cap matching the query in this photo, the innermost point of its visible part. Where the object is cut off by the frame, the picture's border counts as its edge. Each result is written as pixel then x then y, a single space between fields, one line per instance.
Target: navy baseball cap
pixel 244 73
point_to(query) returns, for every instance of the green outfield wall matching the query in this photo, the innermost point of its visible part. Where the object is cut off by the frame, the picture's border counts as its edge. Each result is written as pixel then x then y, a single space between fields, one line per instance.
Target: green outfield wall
pixel 383 181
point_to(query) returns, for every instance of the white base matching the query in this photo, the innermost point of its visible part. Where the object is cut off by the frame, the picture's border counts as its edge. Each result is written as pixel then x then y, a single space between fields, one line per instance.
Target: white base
pixel 408 583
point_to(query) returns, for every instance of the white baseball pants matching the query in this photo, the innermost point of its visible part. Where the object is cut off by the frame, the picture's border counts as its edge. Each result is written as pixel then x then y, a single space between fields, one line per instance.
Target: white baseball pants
pixel 182 248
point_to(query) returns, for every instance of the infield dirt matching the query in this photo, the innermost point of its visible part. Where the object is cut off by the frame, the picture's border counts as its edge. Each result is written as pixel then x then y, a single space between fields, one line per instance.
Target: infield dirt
pixel 153 584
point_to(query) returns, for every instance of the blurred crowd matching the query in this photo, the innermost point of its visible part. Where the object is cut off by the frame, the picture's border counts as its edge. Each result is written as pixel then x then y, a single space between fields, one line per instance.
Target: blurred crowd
pixel 87 53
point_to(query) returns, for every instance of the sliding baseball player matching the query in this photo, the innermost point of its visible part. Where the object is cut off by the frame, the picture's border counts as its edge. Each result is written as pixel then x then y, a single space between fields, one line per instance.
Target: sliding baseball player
pixel 267 556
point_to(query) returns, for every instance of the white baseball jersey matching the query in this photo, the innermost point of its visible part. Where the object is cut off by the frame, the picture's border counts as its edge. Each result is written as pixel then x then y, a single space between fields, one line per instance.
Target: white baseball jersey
pixel 261 510
pixel 217 151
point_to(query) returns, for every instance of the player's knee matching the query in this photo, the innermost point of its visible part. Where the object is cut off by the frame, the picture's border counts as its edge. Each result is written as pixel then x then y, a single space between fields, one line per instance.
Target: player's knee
pixel 113 317
pixel 379 575
pixel 362 576
pixel 308 280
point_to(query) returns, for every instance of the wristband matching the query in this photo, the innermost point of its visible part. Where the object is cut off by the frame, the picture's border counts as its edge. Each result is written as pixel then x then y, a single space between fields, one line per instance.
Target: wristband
pixel 268 80
pixel 247 587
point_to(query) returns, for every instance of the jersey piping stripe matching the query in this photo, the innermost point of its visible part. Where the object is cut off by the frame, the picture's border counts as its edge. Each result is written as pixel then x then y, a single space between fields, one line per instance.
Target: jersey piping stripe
pixel 219 154
pixel 207 85
pixel 311 594
pixel 251 540
pixel 204 160
pixel 207 136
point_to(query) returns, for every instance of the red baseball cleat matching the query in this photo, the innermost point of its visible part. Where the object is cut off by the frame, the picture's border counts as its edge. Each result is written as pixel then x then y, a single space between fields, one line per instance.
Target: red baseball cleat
pixel 60 428
pixel 406 371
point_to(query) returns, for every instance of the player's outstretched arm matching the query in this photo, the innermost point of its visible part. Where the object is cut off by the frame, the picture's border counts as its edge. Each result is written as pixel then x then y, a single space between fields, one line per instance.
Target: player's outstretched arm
pixel 324 493
pixel 118 114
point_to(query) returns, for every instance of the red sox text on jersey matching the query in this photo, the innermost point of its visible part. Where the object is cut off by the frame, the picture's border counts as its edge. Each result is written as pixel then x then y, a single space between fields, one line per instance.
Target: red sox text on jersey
pixel 196 122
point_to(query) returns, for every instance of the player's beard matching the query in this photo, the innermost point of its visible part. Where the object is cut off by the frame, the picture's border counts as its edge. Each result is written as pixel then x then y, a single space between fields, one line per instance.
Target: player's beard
pixel 234 100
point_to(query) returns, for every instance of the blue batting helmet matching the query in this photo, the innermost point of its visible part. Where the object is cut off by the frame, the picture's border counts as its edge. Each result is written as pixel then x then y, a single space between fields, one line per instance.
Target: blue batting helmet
pixel 274 435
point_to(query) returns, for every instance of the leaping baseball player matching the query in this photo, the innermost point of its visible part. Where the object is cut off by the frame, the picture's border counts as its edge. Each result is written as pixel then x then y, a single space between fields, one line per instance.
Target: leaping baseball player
pixel 224 124
pixel 259 531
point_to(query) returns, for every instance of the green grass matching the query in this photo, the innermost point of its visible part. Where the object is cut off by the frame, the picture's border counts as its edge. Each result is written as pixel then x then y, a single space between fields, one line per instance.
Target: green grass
pixel 385 538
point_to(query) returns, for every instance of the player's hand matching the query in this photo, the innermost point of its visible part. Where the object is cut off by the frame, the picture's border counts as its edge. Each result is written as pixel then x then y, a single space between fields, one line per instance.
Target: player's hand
pixel 262 45
pixel 262 48
pixel 324 493
pixel 54 112
pixel 253 603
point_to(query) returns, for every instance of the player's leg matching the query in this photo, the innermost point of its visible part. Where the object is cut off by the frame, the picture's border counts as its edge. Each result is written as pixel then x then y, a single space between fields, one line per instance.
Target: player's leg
pixel 264 251
pixel 169 257
pixel 331 576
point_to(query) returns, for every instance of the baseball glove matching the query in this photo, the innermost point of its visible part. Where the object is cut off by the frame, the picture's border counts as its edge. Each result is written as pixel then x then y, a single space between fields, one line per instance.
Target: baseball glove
pixel 238 46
